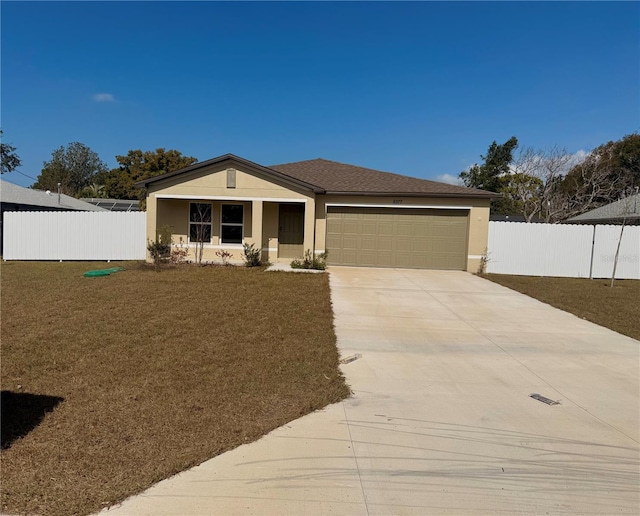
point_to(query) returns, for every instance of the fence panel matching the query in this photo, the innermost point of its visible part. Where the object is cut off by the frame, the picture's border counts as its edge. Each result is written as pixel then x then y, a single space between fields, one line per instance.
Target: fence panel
pixel 562 250
pixel 604 252
pixel 539 249
pixel 69 235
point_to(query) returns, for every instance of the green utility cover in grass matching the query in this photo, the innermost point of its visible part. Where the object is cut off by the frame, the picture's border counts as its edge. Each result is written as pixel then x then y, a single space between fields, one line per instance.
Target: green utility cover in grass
pixel 102 272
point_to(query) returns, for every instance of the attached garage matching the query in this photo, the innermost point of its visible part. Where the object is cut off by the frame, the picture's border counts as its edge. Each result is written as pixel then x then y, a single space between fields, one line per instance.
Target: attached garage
pixel 422 238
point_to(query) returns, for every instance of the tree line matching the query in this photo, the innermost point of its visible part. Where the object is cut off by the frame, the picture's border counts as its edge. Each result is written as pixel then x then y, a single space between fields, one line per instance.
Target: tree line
pixel 539 184
pixel 81 173
pixel 551 184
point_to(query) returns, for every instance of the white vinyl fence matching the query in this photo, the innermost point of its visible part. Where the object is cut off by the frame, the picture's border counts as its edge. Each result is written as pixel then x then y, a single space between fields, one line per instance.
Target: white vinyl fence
pixel 569 250
pixel 74 235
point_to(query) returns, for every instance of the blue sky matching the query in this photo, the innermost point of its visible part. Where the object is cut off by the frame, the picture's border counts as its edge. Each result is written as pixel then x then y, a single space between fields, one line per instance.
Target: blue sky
pixel 417 88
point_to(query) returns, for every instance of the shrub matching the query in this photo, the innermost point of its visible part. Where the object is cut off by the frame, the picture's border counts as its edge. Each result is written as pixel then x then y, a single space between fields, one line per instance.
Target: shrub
pixel 179 253
pixel 160 249
pixel 224 255
pixel 252 256
pixel 310 261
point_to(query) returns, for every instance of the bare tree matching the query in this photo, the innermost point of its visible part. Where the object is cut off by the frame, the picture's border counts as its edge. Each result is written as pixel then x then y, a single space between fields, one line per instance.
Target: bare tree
pixel 593 183
pixel 548 183
pixel 200 227
pixel 536 179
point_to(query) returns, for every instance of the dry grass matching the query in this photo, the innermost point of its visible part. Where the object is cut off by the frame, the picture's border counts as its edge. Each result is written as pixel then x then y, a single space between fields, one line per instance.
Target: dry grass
pixel 124 380
pixel 593 300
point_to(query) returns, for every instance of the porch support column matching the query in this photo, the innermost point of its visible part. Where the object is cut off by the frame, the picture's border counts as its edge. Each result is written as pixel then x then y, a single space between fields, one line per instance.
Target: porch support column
pixel 256 224
pixel 152 215
pixel 309 226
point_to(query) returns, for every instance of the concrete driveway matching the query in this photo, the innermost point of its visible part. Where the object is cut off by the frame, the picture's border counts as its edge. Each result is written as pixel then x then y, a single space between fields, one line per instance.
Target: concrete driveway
pixel 441 421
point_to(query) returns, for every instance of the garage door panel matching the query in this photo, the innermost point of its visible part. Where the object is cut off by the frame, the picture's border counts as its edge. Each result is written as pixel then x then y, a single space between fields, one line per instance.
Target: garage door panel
pixel 350 227
pixel 348 257
pixel 404 229
pixel 369 228
pixel 404 244
pixel 385 244
pixel 368 243
pixel 368 258
pixel 397 237
pixel 420 246
pixel 385 228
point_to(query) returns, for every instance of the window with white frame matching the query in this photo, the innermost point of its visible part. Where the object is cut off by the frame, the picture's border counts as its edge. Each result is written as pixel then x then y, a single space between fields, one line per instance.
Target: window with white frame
pixel 200 222
pixel 232 226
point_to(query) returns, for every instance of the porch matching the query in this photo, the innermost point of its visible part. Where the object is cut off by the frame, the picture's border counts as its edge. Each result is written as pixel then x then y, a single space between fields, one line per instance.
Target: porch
pixel 282 228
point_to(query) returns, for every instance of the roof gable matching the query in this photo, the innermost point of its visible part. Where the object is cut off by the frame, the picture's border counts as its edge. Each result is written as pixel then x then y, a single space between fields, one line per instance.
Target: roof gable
pixel 230 159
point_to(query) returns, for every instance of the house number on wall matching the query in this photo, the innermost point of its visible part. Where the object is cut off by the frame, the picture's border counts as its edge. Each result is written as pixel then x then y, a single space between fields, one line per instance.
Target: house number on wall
pixel 397 201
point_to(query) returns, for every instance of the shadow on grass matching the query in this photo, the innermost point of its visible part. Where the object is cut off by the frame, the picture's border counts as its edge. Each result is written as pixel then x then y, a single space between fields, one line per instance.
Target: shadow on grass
pixel 22 412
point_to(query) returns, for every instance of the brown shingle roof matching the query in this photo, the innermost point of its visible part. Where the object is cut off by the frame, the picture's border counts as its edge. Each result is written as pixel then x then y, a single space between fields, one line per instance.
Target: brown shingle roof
pixel 324 176
pixel 334 177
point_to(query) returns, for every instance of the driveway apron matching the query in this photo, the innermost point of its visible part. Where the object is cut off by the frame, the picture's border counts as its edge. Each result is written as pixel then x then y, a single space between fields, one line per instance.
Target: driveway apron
pixel 441 420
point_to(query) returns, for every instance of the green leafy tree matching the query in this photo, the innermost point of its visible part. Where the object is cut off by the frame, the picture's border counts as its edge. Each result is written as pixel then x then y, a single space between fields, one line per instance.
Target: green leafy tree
pixel 492 175
pixel 9 160
pixel 137 165
pixel 93 191
pixel 75 167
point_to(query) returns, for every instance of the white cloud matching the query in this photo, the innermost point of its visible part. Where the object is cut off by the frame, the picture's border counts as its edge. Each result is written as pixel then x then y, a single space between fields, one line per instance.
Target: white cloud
pixel 535 162
pixel 104 97
pixel 578 157
pixel 449 179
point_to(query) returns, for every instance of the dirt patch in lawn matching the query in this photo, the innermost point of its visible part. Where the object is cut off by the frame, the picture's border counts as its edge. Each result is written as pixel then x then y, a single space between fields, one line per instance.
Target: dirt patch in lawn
pixel 111 384
pixel 594 300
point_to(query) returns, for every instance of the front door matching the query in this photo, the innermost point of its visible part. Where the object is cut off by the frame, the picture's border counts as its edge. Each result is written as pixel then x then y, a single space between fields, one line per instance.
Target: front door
pixel 291 231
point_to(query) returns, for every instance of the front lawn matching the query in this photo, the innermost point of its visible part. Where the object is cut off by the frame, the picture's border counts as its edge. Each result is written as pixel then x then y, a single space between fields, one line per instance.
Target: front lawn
pixel 113 383
pixel 593 300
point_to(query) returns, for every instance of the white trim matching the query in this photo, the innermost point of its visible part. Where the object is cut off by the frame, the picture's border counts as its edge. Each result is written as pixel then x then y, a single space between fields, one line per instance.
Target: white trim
pixel 430 207
pixel 319 251
pixel 475 256
pixel 222 246
pixel 227 198
pixel 270 249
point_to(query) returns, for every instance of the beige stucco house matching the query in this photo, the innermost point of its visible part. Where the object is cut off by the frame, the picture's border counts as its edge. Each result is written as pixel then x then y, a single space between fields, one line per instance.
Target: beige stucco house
pixel 360 216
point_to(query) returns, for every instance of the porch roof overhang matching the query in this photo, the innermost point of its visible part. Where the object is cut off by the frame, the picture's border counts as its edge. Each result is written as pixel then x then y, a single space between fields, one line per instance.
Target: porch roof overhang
pixel 197 197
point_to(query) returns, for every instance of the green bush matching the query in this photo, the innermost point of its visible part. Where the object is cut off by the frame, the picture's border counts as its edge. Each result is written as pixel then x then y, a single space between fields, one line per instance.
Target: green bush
pixel 310 261
pixel 252 256
pixel 160 250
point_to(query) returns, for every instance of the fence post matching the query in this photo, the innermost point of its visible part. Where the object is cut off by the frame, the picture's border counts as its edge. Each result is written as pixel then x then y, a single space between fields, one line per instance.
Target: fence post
pixel 593 244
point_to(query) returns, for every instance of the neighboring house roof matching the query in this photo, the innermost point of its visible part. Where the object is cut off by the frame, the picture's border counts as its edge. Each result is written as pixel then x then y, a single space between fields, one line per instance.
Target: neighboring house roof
pixel 114 204
pixel 324 176
pixel 14 194
pixel 627 208
pixel 514 218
